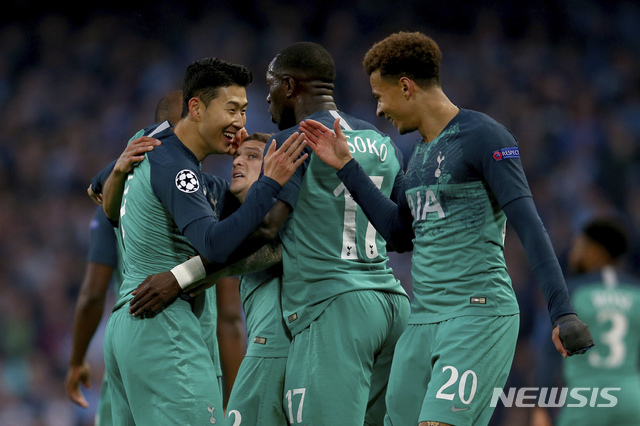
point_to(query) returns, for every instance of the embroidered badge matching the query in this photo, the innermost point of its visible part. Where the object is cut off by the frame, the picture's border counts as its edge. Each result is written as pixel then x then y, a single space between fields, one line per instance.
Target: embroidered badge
pixel 440 159
pixel 187 181
pixel 505 153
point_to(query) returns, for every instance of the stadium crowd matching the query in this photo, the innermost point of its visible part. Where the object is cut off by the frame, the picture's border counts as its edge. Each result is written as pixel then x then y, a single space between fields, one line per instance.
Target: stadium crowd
pixel 563 77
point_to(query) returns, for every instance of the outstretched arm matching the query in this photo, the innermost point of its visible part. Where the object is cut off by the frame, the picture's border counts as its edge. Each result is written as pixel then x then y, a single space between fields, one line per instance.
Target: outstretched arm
pixel 570 335
pixel 391 217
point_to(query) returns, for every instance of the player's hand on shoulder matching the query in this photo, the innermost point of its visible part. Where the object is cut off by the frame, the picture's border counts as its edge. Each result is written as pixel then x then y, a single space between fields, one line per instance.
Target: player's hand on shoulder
pixel 571 336
pixel 281 163
pixel 153 294
pixel 134 153
pixel 330 146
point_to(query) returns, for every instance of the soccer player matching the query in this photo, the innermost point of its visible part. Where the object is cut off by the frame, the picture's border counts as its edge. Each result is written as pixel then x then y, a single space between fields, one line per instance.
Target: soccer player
pixel 608 300
pixel 103 267
pixel 462 182
pixel 256 397
pixel 343 306
pixel 230 335
pixel 160 368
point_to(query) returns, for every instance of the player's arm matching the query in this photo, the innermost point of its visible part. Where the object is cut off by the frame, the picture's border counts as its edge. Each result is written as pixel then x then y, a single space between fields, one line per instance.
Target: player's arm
pixel 206 233
pixel 101 260
pixel 88 313
pixel 508 184
pixel 230 331
pixel 191 277
pixel 391 217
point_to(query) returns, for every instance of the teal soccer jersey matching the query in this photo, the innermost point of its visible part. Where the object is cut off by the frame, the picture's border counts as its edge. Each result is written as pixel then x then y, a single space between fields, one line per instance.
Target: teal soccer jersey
pixel 329 246
pixel 163 195
pixel 256 397
pixel 340 299
pixel 267 334
pixel 610 303
pixel 455 188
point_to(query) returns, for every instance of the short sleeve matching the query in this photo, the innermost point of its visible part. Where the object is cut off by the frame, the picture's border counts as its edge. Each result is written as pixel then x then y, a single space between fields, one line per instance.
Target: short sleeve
pixel 103 242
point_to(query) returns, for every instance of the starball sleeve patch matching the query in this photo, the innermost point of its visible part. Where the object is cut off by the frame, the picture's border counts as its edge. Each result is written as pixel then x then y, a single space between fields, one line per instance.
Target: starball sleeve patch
pixel 187 181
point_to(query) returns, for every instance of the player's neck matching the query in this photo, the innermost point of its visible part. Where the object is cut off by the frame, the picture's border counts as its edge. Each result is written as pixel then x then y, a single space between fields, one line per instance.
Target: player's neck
pixel 317 96
pixel 191 139
pixel 436 111
pixel 306 110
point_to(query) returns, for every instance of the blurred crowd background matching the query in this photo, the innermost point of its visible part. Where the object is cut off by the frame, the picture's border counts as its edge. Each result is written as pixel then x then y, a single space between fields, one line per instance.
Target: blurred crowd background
pixel 76 83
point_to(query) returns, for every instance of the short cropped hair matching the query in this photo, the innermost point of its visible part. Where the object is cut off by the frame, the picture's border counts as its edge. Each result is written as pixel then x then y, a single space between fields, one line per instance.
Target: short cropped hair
pixel 609 234
pixel 306 60
pixel 260 137
pixel 205 78
pixel 404 54
pixel 170 108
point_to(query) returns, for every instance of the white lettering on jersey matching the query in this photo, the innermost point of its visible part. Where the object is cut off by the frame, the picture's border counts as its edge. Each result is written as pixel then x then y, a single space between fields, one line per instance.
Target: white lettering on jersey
pixel 431 205
pixel 366 145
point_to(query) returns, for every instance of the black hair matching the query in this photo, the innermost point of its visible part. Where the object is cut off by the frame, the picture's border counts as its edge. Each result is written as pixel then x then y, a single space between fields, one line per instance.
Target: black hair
pixel 609 234
pixel 306 60
pixel 205 77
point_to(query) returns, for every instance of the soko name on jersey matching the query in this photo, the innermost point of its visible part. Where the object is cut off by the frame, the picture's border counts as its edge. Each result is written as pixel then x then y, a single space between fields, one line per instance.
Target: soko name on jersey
pixel 363 145
pixel 423 202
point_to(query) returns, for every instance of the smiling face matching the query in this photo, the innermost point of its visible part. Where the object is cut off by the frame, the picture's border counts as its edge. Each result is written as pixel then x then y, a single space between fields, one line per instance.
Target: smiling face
pixel 392 103
pixel 247 165
pixel 223 118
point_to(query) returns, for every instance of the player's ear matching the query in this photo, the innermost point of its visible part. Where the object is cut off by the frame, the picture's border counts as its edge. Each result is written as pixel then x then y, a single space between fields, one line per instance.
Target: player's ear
pixel 289 84
pixel 406 85
pixel 195 108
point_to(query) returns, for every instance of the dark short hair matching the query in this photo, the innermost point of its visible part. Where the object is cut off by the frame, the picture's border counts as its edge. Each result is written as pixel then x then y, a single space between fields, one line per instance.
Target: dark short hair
pixel 260 137
pixel 609 234
pixel 170 107
pixel 204 78
pixel 306 60
pixel 405 54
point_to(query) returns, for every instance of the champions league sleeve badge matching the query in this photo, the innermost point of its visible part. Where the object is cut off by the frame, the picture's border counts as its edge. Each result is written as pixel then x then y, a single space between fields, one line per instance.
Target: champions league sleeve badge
pixel 505 153
pixel 187 181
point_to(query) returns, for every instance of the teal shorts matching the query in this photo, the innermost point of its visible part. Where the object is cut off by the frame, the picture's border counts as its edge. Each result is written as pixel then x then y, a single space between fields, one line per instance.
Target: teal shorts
pixel 103 412
pixel 447 371
pixel 256 397
pixel 338 367
pixel 160 370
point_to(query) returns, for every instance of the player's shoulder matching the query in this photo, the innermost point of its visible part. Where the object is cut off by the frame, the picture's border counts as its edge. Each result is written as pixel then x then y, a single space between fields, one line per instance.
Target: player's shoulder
pixel 629 281
pixel 214 183
pixel 480 133
pixel 172 153
pixel 481 123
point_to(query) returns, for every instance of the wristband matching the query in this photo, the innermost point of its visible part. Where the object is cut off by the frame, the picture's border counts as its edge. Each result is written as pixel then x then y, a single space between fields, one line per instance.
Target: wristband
pixel 189 272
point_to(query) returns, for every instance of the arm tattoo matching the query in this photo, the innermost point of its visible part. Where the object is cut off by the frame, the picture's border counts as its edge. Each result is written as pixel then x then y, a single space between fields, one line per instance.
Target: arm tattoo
pixel 269 255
